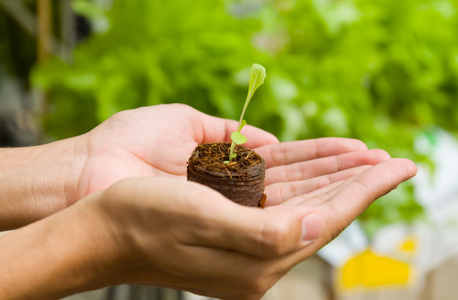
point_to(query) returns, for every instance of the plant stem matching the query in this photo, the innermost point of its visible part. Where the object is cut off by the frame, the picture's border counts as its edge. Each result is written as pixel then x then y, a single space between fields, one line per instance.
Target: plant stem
pixel 257 76
pixel 247 101
pixel 232 151
pixel 250 94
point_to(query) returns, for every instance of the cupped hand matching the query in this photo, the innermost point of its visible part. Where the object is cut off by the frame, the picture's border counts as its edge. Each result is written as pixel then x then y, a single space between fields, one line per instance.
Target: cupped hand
pixel 186 236
pixel 301 167
pixel 158 140
pixel 182 235
pixel 341 202
pixel 152 141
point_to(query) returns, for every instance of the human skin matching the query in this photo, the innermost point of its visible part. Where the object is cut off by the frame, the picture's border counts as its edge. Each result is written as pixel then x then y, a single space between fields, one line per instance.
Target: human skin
pixel 172 233
pixel 156 141
pixel 94 228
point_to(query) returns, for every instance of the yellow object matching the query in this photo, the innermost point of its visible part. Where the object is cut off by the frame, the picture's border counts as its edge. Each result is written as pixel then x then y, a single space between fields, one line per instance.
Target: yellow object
pixel 368 270
pixel 409 246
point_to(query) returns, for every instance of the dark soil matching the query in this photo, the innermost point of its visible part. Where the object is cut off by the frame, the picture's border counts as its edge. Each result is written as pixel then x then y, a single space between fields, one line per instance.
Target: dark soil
pixel 241 180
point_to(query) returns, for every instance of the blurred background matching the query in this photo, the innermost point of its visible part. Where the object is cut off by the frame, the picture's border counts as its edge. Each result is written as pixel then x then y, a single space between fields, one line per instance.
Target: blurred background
pixel 383 71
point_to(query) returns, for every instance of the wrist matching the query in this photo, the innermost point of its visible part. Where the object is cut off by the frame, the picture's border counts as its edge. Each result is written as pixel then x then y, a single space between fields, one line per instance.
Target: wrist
pixel 73 251
pixel 79 147
pixel 38 181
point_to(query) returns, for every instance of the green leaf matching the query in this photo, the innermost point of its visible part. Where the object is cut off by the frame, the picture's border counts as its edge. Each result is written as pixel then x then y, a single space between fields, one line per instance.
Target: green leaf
pixel 243 123
pixel 238 138
pixel 257 76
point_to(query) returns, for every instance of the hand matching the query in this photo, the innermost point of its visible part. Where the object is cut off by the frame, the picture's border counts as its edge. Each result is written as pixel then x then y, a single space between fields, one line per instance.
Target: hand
pixel 189 237
pixel 152 141
pixel 158 140
pixel 299 168
pixel 213 247
pixel 171 233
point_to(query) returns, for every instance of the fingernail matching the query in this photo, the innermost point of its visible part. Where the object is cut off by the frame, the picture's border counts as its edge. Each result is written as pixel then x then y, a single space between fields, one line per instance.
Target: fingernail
pixel 312 225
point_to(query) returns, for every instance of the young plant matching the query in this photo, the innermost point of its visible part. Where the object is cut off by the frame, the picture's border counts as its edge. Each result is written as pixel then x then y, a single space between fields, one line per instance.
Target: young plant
pixel 257 76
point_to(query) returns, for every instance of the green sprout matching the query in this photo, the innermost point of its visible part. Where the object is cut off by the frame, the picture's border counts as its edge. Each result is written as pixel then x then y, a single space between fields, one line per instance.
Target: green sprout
pixel 257 76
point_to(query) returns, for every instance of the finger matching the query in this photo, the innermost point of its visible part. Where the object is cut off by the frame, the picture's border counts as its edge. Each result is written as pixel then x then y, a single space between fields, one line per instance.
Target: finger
pixel 322 166
pixel 257 137
pixel 351 200
pixel 257 232
pixel 380 174
pixel 281 192
pixel 298 151
pixel 319 196
pixel 214 221
pixel 220 273
pixel 212 272
pixel 370 185
pixel 267 233
pixel 216 129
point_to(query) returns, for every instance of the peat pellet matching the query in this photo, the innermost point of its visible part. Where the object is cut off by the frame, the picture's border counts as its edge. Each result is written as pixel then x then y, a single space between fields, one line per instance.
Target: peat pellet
pixel 241 180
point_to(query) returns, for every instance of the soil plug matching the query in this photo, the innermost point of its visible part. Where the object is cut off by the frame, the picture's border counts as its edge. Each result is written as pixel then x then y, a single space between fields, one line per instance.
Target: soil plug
pixel 231 168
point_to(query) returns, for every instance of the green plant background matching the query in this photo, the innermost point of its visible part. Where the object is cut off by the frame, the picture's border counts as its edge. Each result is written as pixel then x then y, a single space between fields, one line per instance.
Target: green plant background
pixel 378 70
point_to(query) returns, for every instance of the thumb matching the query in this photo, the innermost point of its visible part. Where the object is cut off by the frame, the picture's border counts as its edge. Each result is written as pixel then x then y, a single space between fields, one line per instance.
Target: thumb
pixel 217 129
pixel 265 233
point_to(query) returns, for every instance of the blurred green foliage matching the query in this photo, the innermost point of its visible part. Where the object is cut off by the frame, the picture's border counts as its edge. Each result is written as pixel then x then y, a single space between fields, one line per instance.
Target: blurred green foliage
pixel 377 70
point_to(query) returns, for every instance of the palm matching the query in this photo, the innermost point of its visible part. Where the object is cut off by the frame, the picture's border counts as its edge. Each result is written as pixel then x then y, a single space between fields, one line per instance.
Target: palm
pixel 157 141
pixel 144 142
pixel 341 202
pixel 303 168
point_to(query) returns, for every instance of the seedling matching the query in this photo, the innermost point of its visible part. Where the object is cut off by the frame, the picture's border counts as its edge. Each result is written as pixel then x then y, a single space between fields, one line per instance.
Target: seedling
pixel 257 76
pixel 241 181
